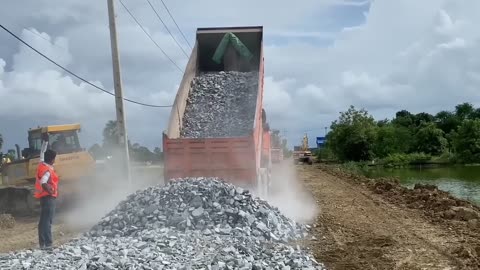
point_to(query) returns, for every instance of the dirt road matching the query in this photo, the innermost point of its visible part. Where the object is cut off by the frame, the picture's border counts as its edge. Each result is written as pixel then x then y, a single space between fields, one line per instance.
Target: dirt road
pixel 358 229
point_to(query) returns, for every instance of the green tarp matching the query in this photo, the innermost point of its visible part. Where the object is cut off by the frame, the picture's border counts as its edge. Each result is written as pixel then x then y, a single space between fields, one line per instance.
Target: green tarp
pixel 230 38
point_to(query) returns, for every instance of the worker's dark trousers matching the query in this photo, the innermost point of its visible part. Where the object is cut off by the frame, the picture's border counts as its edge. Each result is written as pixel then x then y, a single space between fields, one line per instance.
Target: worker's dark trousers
pixel 47 211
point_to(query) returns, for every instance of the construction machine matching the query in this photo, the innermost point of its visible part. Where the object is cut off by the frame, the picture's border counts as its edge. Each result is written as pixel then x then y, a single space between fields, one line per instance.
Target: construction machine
pixel 277 155
pixel 302 154
pixel 18 177
pixel 244 161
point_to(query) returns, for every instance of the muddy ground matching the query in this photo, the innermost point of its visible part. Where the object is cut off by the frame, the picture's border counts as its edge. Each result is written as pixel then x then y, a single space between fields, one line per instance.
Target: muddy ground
pixel 359 224
pixel 365 225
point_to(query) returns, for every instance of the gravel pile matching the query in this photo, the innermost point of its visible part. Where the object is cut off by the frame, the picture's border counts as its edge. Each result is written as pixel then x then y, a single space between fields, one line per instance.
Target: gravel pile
pixel 164 249
pixel 221 104
pixel 198 204
pixel 200 223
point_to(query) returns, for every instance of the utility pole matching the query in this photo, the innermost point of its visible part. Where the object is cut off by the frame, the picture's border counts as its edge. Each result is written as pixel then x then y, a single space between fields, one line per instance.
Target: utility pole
pixel 117 82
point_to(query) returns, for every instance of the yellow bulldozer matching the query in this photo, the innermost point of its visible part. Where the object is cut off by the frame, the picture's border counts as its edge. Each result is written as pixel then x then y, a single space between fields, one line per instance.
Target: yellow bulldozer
pixel 72 163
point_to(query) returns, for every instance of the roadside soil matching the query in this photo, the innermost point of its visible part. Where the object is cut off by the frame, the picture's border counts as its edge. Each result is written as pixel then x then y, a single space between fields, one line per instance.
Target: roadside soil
pixel 23 235
pixel 361 225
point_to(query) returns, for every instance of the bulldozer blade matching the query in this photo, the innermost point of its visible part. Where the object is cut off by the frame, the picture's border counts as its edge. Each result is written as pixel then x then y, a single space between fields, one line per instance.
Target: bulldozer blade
pixel 17 201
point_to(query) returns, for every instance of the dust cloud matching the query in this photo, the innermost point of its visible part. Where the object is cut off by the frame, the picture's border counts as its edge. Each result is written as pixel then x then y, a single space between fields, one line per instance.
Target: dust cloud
pixel 97 196
pixel 289 195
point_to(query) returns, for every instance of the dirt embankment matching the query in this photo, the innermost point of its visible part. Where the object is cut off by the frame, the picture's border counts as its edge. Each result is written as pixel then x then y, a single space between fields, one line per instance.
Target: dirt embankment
pixel 367 224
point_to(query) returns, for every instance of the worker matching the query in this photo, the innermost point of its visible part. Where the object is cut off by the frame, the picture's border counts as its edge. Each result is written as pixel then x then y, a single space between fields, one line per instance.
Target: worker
pixel 46 191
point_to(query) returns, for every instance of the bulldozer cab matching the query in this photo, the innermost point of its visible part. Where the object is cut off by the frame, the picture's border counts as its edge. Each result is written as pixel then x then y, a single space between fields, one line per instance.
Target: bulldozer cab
pixel 63 139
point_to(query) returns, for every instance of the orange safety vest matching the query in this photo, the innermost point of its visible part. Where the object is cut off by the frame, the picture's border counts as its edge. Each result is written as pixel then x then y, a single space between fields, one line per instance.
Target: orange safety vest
pixel 53 181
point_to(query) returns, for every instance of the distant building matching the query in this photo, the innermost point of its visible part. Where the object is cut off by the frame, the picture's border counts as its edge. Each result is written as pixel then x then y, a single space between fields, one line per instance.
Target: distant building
pixel 321 142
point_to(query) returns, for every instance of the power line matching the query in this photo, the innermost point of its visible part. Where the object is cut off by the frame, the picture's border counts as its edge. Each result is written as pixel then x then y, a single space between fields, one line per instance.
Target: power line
pixel 76 76
pixel 166 27
pixel 171 16
pixel 149 36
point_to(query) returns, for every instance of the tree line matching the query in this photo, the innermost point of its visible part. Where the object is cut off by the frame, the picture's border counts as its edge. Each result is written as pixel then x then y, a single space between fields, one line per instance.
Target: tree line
pixel 138 152
pixel 110 141
pixel 452 136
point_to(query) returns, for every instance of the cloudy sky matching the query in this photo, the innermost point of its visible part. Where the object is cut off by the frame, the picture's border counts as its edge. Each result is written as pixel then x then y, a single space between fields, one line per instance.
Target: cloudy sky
pixel 321 56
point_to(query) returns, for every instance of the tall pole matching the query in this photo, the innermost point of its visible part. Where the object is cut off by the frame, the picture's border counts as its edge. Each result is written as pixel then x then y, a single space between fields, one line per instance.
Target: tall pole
pixel 117 82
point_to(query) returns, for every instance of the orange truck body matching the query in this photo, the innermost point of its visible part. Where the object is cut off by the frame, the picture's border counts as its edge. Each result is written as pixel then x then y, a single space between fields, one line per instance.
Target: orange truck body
pixel 236 159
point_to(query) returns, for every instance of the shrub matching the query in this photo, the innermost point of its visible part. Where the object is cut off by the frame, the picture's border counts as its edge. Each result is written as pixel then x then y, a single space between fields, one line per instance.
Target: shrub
pixel 400 160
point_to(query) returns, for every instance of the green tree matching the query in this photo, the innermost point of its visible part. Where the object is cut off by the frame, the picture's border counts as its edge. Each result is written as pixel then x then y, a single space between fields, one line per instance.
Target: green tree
pixel 1 141
pixel 466 141
pixel 96 151
pixel 382 123
pixel 464 111
pixel 447 121
pixel 430 140
pixel 392 139
pixel 11 154
pixel 141 153
pixel 110 136
pixel 352 136
pixel 403 118
pixel 158 154
pixel 476 114
pixel 421 118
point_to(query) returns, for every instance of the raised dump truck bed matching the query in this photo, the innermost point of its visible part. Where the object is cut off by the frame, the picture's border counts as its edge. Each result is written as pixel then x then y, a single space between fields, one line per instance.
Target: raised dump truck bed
pixel 242 160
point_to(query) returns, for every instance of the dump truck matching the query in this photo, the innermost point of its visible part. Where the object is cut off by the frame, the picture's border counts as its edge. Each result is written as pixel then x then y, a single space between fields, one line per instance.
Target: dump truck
pixel 243 160
pixel 72 163
pixel 277 155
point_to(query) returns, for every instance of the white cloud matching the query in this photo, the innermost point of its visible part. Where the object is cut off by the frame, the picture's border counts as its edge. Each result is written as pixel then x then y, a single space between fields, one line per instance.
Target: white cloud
pixel 36 87
pixel 417 55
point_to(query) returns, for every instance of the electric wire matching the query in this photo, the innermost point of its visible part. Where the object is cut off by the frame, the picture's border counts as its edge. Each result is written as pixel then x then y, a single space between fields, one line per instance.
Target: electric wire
pixel 77 76
pixel 174 21
pixel 166 28
pixel 150 37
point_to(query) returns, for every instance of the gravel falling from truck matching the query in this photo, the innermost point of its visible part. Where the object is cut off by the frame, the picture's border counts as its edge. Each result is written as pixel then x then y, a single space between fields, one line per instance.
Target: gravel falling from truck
pixel 221 104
